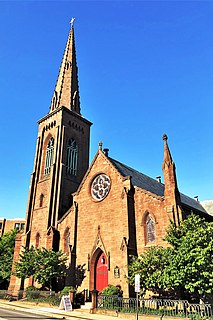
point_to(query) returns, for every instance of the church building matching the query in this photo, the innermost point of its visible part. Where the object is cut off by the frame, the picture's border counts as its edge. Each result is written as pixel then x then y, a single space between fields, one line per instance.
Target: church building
pixel 98 214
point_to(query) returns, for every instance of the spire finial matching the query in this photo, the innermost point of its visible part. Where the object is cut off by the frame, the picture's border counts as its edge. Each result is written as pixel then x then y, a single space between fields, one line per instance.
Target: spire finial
pixel 72 22
pixel 165 138
pixel 100 144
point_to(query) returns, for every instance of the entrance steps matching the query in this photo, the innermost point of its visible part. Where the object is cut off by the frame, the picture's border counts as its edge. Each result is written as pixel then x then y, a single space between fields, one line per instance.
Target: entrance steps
pixel 86 306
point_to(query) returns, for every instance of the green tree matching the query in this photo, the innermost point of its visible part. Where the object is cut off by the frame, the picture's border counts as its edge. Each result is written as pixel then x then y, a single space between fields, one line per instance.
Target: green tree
pixel 26 266
pixel 7 243
pixel 50 266
pixel 44 265
pixel 151 266
pixel 191 267
pixel 186 267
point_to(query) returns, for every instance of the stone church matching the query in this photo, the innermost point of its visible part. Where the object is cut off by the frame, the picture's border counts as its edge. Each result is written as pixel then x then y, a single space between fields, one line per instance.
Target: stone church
pixel 98 214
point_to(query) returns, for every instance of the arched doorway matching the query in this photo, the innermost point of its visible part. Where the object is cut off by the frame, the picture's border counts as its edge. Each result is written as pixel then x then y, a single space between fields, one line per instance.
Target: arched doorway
pixel 101 272
pixel 98 270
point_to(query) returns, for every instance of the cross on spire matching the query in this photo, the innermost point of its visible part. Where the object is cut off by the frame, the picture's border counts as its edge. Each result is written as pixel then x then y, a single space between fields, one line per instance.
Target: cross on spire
pixel 72 22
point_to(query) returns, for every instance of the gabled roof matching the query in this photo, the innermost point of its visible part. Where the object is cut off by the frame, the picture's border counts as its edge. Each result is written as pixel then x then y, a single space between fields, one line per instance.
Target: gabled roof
pixel 139 179
pixel 149 184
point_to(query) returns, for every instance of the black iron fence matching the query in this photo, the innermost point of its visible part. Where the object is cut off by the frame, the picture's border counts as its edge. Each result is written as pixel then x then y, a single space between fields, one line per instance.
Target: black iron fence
pixel 162 307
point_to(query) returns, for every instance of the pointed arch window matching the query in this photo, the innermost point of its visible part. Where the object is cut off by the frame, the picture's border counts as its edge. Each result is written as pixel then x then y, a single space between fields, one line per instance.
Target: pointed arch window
pixel 49 156
pixel 37 240
pixel 67 241
pixel 41 200
pixel 150 229
pixel 72 157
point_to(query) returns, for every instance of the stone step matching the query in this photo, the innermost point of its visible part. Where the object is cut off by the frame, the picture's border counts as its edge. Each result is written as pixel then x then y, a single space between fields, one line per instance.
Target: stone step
pixel 87 305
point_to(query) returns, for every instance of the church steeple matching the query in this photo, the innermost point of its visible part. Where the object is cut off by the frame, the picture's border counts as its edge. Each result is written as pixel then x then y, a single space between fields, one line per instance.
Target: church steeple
pixel 66 91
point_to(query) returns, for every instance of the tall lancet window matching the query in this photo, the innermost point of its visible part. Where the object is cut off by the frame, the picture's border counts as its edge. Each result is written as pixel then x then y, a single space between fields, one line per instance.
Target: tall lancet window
pixel 150 229
pixel 37 240
pixel 67 241
pixel 72 157
pixel 49 156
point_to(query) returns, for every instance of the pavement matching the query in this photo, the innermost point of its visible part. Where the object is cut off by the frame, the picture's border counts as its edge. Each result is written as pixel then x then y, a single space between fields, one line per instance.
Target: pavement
pixel 53 312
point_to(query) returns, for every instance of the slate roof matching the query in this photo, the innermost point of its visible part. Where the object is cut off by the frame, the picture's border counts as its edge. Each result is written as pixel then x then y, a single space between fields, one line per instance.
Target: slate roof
pixel 149 184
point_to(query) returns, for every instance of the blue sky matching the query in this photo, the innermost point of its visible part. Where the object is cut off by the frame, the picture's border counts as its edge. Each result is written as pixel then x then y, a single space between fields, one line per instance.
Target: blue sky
pixel 145 69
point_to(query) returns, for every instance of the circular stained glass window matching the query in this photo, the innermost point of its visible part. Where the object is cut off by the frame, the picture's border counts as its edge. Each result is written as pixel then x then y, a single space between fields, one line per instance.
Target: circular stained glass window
pixel 100 187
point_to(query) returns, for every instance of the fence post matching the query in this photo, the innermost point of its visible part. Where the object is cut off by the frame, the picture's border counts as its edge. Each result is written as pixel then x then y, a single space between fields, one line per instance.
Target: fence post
pixel 94 299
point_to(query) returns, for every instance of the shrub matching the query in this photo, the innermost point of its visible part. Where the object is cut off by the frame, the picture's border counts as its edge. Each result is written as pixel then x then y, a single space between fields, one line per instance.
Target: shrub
pixel 66 290
pixel 111 290
pixel 52 300
pixel 32 293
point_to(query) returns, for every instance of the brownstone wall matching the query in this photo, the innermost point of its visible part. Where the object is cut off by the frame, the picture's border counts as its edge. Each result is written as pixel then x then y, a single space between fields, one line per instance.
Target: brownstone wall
pixel 57 186
pixel 147 203
pixel 15 283
pixel 116 225
pixel 102 224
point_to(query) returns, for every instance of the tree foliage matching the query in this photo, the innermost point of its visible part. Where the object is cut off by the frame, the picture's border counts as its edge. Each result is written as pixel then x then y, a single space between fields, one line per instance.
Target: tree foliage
pixel 191 266
pixel 7 243
pixel 112 290
pixel 184 267
pixel 44 265
pixel 150 266
pixel 27 263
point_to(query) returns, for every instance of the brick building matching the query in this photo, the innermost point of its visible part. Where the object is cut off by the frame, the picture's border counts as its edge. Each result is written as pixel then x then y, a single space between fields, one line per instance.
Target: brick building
pixel 7 225
pixel 100 214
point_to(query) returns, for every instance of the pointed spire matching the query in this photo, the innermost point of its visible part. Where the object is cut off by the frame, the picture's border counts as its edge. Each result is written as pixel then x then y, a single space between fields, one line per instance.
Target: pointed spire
pixel 171 192
pixel 167 155
pixel 168 165
pixel 66 91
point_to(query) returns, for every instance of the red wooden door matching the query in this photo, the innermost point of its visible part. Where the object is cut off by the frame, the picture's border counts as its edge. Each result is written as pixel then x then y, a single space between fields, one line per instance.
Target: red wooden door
pixel 101 273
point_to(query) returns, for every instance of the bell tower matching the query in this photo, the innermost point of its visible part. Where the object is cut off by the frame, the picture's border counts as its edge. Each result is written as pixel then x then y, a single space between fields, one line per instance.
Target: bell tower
pixel 62 154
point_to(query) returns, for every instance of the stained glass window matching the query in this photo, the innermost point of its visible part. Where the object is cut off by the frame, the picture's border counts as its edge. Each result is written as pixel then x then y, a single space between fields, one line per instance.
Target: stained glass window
pixel 72 157
pixel 49 156
pixel 100 187
pixel 150 229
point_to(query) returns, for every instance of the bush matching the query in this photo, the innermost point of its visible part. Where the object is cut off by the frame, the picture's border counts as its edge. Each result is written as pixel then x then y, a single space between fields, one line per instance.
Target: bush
pixel 32 293
pixel 111 290
pixel 53 300
pixel 66 290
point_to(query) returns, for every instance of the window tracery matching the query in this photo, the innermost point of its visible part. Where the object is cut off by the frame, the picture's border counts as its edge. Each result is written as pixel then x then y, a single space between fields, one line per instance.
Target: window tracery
pixel 72 157
pixel 49 156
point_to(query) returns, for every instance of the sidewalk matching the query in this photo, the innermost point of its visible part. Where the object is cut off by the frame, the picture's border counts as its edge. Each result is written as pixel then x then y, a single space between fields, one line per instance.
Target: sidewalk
pixel 61 314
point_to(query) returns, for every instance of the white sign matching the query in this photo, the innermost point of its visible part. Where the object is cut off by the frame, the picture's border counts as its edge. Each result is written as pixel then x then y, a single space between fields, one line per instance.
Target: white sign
pixel 65 303
pixel 137 283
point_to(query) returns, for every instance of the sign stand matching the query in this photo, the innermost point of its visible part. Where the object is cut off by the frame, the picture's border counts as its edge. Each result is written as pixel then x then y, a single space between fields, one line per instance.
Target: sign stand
pixel 137 290
pixel 65 303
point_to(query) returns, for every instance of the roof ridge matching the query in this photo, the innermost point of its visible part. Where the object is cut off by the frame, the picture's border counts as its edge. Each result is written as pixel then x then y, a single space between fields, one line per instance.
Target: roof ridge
pixel 134 170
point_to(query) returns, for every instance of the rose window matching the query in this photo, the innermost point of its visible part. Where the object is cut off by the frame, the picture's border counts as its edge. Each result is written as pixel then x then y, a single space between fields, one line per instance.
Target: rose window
pixel 100 187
